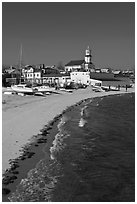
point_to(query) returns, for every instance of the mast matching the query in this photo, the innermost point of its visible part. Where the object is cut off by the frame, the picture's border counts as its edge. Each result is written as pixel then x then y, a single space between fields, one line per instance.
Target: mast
pixel 20 61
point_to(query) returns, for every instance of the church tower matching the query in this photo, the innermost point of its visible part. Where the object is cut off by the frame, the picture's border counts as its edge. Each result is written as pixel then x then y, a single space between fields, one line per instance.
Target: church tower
pixel 88 59
pixel 88 56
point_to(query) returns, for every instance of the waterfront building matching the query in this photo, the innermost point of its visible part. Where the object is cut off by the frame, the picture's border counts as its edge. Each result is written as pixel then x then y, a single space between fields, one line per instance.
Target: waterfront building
pixel 80 77
pixel 42 75
pixel 31 74
pixel 106 70
pixel 81 65
pixel 12 78
pixel 55 78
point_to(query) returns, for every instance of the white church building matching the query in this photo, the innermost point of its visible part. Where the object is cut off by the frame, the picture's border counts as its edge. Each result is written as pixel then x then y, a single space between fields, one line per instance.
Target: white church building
pixel 80 70
pixel 81 65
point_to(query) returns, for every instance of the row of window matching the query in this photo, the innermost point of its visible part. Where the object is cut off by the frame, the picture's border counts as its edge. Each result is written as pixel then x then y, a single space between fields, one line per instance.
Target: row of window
pixel 82 74
pixel 31 75
pixel 35 75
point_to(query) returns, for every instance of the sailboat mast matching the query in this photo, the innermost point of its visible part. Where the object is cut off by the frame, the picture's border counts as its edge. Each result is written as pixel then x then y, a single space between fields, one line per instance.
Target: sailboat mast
pixel 20 62
pixel 20 65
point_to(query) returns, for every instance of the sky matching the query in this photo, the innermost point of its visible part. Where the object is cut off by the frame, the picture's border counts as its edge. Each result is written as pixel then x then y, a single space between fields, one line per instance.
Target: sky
pixel 56 32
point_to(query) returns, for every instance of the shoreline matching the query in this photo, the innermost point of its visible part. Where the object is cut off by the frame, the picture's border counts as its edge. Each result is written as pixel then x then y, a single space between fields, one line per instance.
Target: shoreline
pixel 21 166
pixel 31 150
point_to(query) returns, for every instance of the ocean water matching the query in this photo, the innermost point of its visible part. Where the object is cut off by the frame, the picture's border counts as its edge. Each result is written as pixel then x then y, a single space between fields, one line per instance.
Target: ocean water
pixel 92 158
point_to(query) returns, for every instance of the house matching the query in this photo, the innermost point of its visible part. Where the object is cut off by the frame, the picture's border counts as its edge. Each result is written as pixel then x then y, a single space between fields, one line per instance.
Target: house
pixel 80 77
pixel 55 78
pixel 106 70
pixel 117 73
pixel 98 70
pixel 42 74
pixel 13 77
pixel 84 78
pixel 32 74
pixel 9 70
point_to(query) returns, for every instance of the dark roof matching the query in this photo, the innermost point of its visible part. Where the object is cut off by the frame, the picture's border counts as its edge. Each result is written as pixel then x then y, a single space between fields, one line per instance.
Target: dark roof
pixel 66 74
pixel 55 75
pixel 75 62
pixel 29 66
pixel 52 75
pixel 37 69
pixel 16 71
pixel 50 70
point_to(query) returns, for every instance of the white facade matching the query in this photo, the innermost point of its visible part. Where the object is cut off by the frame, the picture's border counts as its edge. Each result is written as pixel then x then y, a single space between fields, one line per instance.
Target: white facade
pixel 105 70
pixel 80 77
pixel 64 79
pixel 30 73
pixel 33 75
pixel 37 75
pixel 56 79
pixel 72 68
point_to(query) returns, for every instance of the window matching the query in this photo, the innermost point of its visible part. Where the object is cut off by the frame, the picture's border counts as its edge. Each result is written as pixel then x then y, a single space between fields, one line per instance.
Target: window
pixel 37 75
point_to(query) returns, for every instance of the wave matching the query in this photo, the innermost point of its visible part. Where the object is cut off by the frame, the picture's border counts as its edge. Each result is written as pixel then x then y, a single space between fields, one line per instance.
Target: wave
pixel 82 110
pixel 40 181
pixel 58 143
pixel 82 122
pixel 84 113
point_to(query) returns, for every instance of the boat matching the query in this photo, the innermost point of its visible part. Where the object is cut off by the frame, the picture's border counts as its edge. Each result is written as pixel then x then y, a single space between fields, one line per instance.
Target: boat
pixel 105 88
pixel 22 88
pixel 113 88
pixel 97 89
pixel 44 88
pixel 39 94
pixel 109 88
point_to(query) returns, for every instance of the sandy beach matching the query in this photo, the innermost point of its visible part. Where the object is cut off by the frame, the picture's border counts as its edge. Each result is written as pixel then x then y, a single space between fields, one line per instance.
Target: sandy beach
pixel 24 121
pixel 24 117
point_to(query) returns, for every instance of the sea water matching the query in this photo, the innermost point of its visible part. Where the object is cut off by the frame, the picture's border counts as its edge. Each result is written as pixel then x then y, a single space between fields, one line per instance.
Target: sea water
pixel 92 158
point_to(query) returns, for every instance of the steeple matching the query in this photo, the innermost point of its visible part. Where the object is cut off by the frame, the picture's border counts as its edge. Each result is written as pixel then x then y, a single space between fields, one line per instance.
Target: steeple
pixel 88 55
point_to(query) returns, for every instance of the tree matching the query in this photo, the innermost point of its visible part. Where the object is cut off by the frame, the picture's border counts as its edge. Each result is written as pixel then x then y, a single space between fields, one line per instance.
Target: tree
pixel 60 66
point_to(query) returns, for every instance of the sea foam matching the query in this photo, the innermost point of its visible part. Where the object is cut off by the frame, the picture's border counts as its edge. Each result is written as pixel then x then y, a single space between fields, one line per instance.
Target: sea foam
pixel 58 143
pixel 82 122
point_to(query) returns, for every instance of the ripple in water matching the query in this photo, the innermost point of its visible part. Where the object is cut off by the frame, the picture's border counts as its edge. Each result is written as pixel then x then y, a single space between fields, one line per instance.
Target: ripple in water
pixel 39 184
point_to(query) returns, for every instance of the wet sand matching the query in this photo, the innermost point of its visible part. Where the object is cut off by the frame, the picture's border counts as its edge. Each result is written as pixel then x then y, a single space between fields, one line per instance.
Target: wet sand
pixel 32 154
pixel 25 121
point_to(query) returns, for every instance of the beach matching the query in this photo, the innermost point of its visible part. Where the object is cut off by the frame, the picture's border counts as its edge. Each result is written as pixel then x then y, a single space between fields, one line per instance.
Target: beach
pixel 25 118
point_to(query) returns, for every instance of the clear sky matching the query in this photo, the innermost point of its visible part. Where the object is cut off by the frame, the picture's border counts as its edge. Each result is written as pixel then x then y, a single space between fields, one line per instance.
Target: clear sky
pixel 61 31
